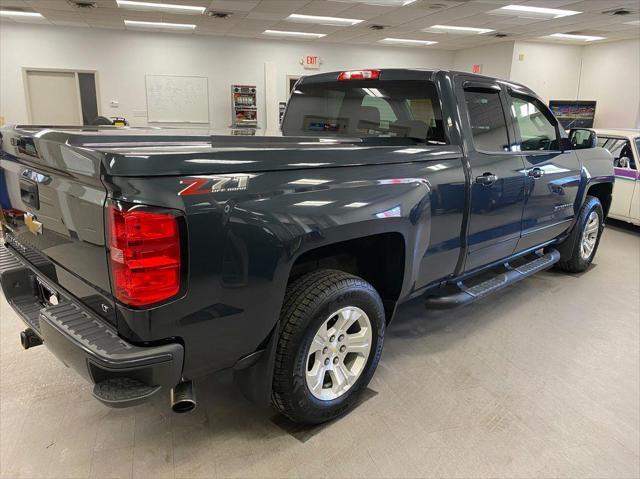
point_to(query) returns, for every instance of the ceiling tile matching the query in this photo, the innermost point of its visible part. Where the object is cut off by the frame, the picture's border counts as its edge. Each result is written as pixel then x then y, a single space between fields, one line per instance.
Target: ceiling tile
pixel 365 11
pixel 13 4
pixel 279 6
pixel 272 17
pixel 233 5
pixel 324 8
pixel 73 24
pixel 50 5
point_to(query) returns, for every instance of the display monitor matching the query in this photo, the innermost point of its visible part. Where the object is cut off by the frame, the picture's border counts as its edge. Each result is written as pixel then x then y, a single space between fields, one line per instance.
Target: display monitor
pixel 574 113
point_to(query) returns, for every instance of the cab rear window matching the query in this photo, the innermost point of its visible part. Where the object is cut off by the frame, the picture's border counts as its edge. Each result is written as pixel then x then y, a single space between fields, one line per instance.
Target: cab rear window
pixel 401 109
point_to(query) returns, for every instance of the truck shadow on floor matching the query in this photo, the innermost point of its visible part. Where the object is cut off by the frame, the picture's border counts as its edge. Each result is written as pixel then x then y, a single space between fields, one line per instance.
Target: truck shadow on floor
pixel 618 225
pixel 413 320
pixel 305 432
pixel 224 410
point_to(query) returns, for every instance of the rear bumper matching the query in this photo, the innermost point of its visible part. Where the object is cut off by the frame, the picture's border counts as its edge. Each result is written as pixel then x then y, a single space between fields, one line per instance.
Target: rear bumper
pixel 124 374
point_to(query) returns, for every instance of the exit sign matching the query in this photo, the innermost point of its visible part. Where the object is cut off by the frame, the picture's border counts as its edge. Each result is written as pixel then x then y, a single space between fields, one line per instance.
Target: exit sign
pixel 476 68
pixel 310 62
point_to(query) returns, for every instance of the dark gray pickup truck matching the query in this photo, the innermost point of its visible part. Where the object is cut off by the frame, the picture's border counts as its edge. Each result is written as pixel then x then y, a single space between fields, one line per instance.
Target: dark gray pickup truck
pixel 145 259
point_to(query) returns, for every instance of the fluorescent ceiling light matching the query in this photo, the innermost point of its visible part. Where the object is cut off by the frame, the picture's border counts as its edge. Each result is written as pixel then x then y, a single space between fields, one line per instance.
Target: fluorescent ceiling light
pixel 282 33
pixel 406 41
pixel 20 13
pixel 333 21
pixel 452 29
pixel 356 204
pixel 635 22
pixel 164 7
pixel 536 12
pixel 165 25
pixel 582 38
pixel 382 3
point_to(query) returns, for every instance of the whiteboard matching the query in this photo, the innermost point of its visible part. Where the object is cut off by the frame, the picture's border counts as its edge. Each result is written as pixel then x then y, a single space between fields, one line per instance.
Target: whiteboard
pixel 177 99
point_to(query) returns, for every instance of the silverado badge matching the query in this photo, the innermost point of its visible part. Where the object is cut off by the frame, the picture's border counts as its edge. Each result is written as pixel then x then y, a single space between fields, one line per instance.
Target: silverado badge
pixel 32 225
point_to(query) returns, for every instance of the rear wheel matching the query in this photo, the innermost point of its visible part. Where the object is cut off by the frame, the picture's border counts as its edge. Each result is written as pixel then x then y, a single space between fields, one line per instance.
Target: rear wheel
pixel 330 345
pixel 585 237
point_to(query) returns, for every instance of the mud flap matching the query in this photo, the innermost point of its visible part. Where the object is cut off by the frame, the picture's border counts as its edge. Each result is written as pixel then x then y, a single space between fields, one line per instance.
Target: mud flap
pixel 253 375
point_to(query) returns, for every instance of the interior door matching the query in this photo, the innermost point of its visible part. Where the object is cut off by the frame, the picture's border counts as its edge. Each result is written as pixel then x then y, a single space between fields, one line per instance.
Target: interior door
pixel 497 173
pixel 53 98
pixel 552 176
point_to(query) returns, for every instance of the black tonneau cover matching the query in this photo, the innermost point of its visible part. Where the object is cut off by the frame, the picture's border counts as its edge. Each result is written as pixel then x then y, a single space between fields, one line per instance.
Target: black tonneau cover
pixel 136 152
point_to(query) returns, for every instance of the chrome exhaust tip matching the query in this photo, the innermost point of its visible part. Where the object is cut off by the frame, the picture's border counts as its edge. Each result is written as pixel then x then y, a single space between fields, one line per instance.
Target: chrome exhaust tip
pixel 183 397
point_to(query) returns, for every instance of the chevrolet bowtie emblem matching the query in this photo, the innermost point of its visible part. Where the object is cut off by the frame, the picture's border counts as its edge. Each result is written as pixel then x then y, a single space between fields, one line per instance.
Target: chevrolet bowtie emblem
pixel 32 225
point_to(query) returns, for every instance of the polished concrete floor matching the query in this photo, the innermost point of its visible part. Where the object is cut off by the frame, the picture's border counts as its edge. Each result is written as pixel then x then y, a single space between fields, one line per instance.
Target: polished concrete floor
pixel 539 381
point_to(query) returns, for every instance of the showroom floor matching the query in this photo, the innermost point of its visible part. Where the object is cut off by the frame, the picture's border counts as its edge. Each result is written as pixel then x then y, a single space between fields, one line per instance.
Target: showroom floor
pixel 540 381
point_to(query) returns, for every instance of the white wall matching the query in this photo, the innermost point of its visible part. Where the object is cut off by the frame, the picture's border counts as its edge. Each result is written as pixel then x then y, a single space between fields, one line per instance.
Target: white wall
pixel 607 72
pixel 551 70
pixel 494 59
pixel 122 59
pixel 611 76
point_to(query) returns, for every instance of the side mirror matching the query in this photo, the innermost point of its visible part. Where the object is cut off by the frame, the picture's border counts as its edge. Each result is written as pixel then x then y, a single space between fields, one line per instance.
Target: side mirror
pixel 582 138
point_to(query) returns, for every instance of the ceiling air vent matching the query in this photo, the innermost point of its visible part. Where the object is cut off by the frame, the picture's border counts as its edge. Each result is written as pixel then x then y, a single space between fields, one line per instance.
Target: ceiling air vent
pixel 83 3
pixel 429 4
pixel 500 35
pixel 618 11
pixel 215 14
pixel 378 27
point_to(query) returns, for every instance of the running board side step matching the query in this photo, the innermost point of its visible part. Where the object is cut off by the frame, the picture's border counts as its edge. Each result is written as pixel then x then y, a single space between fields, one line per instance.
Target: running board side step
pixel 512 275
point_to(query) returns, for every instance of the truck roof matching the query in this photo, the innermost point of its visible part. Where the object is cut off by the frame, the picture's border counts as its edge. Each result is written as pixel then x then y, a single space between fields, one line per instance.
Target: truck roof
pixel 409 74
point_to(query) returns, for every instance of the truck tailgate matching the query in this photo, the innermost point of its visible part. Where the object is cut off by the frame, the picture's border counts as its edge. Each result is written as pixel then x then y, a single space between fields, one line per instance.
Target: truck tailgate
pixel 53 215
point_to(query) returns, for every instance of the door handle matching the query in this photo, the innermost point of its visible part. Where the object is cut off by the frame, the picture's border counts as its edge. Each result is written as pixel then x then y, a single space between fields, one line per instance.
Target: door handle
pixel 535 173
pixel 36 177
pixel 486 179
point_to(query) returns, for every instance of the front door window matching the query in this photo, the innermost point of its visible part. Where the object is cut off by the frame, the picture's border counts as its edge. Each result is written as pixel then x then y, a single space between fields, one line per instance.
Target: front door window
pixel 537 131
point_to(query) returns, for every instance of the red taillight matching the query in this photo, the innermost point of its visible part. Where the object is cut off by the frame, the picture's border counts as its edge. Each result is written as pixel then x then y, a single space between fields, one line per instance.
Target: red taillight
pixel 144 247
pixel 360 75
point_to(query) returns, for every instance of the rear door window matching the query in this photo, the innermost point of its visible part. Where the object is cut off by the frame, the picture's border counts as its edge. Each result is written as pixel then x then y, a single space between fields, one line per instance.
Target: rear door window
pixel 367 108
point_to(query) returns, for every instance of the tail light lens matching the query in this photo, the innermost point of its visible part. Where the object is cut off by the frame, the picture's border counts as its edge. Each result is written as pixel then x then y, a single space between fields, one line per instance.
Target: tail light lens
pixel 144 248
pixel 359 75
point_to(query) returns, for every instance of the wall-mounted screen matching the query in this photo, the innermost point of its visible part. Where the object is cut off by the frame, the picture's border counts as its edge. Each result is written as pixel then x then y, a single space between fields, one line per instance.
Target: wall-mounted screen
pixel 574 113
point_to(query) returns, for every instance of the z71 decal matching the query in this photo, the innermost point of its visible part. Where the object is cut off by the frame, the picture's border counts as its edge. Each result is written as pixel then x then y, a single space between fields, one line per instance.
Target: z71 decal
pixel 214 184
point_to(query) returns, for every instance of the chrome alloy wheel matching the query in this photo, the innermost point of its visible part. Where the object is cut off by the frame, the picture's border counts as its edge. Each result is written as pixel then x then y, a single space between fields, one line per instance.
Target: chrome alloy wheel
pixel 338 353
pixel 589 236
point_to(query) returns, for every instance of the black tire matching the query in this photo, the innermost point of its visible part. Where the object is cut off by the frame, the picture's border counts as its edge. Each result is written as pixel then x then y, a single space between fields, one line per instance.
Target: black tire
pixel 309 301
pixel 572 259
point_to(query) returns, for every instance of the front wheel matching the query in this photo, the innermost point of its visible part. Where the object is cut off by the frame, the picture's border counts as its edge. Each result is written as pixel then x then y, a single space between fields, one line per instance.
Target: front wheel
pixel 584 238
pixel 331 341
